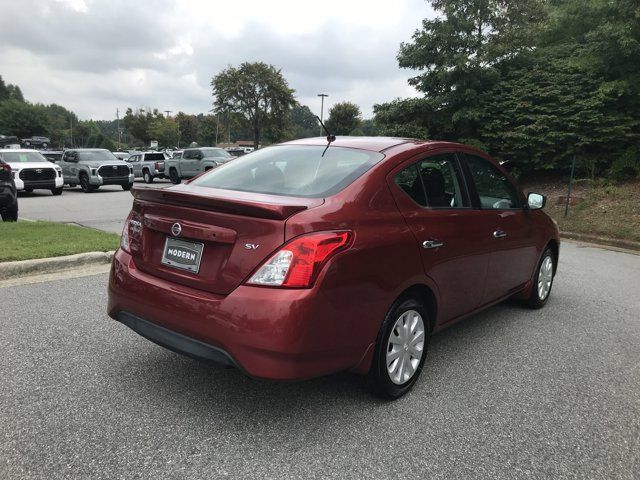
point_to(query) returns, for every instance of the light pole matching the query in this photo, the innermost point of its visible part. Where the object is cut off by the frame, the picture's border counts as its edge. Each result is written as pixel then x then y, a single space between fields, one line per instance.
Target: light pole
pixel 322 95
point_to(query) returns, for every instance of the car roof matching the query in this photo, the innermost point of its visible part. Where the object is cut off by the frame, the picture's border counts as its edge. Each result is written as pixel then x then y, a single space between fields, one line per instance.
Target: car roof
pixel 88 150
pixel 374 144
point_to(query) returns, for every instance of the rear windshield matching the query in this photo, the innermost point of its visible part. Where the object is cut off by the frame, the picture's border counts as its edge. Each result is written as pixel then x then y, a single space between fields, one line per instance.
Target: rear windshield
pixel 293 170
pixel 96 156
pixel 154 156
pixel 22 157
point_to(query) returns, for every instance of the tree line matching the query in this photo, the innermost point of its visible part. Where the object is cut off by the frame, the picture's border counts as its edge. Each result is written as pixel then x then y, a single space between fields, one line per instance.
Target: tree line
pixel 533 82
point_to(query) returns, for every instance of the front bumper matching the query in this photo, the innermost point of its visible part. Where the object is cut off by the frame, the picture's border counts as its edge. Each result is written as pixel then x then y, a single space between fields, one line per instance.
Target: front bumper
pixel 22 185
pixel 283 334
pixel 99 180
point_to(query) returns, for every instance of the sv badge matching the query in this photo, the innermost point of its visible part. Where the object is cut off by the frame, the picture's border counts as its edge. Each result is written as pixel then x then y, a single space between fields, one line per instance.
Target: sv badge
pixel 251 246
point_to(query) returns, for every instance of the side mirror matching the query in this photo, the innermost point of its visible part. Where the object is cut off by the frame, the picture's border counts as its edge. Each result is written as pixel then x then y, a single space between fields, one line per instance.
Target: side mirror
pixel 536 201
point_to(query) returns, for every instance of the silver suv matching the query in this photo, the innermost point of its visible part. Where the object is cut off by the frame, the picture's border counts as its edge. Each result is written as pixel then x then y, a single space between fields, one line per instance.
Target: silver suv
pixel 92 167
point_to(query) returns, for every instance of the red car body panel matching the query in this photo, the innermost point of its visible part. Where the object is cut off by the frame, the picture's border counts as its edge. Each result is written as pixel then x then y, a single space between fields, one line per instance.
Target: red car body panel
pixel 288 334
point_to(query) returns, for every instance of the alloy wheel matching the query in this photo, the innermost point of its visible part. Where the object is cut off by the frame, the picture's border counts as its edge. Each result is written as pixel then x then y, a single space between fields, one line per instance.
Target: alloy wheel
pixel 405 347
pixel 545 277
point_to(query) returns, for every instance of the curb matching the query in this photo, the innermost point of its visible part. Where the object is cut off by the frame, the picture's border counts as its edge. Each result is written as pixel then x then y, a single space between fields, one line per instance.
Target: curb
pixel 602 241
pixel 41 266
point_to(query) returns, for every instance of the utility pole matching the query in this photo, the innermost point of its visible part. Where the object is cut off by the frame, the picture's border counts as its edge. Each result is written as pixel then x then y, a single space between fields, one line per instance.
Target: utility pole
pixel 322 95
pixel 119 131
pixel 217 126
pixel 71 130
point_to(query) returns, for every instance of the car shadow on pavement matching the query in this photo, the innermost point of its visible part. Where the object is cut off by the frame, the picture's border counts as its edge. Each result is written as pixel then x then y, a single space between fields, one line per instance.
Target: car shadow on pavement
pixel 152 372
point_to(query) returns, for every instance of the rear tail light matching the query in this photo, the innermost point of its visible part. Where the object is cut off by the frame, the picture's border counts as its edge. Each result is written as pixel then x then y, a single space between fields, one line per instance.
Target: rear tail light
pixel 157 165
pixel 298 263
pixel 124 238
pixel 5 166
pixel 131 232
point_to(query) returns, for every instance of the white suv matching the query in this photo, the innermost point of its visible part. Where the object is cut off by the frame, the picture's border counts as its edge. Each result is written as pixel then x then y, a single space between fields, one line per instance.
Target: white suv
pixel 32 171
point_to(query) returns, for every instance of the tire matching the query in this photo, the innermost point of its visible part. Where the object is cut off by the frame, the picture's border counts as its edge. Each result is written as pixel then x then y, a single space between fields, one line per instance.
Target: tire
pixel 410 341
pixel 85 185
pixel 11 215
pixel 173 176
pixel 542 281
pixel 147 177
pixel 126 187
pixel 56 191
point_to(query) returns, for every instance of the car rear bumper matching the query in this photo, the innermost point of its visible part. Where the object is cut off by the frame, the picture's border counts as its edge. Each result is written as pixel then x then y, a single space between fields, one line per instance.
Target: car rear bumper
pixel 277 334
pixel 7 198
pixel 176 341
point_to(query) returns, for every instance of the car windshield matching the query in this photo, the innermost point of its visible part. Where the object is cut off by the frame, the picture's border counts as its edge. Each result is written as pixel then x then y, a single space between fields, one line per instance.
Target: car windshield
pixel 96 156
pixel 22 157
pixel 292 170
pixel 215 152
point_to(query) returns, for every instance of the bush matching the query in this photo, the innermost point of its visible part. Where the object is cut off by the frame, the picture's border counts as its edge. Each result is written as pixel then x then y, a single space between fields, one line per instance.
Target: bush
pixel 626 166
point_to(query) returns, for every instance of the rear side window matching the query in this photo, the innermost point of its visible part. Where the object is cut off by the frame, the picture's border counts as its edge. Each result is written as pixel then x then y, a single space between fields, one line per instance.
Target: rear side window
pixel 292 170
pixel 154 156
pixel 435 182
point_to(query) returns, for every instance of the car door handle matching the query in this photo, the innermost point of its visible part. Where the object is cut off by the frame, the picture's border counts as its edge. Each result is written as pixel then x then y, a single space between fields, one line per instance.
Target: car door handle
pixel 432 243
pixel 499 234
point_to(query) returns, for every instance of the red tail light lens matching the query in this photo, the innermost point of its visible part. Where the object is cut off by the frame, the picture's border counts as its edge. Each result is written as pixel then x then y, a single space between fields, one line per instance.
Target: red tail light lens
pixel 298 263
pixel 5 166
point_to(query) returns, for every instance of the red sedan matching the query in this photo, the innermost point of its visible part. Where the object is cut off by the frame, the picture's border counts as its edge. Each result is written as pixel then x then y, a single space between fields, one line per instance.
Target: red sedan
pixel 304 259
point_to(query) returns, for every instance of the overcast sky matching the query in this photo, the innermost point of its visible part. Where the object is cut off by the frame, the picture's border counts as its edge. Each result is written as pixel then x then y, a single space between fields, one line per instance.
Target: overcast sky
pixel 93 56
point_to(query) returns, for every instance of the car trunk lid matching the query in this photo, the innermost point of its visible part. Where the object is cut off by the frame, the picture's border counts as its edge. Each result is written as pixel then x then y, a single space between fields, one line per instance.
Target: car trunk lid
pixel 237 231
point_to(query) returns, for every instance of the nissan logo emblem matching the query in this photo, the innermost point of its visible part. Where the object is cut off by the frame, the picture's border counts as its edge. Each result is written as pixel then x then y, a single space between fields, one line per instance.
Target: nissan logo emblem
pixel 176 229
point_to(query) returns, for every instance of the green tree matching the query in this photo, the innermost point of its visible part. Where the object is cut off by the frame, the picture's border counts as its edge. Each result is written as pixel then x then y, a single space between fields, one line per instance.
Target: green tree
pixel 302 123
pixel 258 93
pixel 344 117
pixel 22 119
pixel 456 54
pixel 165 130
pixel 188 125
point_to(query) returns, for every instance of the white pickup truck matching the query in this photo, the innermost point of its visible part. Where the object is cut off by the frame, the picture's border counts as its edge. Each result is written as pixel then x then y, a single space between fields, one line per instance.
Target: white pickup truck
pixel 194 161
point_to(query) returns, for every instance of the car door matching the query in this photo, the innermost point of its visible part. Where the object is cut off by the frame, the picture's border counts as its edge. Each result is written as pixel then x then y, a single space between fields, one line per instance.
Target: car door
pixel 68 160
pixel 431 194
pixel 136 163
pixel 503 207
pixel 186 163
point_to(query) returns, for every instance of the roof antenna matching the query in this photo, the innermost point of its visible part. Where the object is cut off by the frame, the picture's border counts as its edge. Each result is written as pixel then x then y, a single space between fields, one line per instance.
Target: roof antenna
pixel 330 136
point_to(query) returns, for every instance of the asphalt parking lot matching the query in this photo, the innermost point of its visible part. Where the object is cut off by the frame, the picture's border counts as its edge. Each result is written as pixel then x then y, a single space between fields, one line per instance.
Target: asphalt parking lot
pixel 509 393
pixel 104 209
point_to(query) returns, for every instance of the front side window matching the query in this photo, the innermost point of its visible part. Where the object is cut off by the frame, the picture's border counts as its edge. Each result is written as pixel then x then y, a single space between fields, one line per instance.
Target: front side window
pixel 435 182
pixel 294 170
pixel 495 191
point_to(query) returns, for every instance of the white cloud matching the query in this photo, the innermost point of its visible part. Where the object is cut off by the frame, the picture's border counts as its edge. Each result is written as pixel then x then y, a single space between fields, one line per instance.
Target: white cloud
pixel 96 56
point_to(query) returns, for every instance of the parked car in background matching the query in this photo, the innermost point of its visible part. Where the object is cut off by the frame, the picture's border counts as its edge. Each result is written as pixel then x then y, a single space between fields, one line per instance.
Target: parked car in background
pixel 305 259
pixel 121 155
pixel 8 194
pixel 32 171
pixel 93 167
pixel 9 142
pixel 36 142
pixel 148 165
pixel 53 156
pixel 195 161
